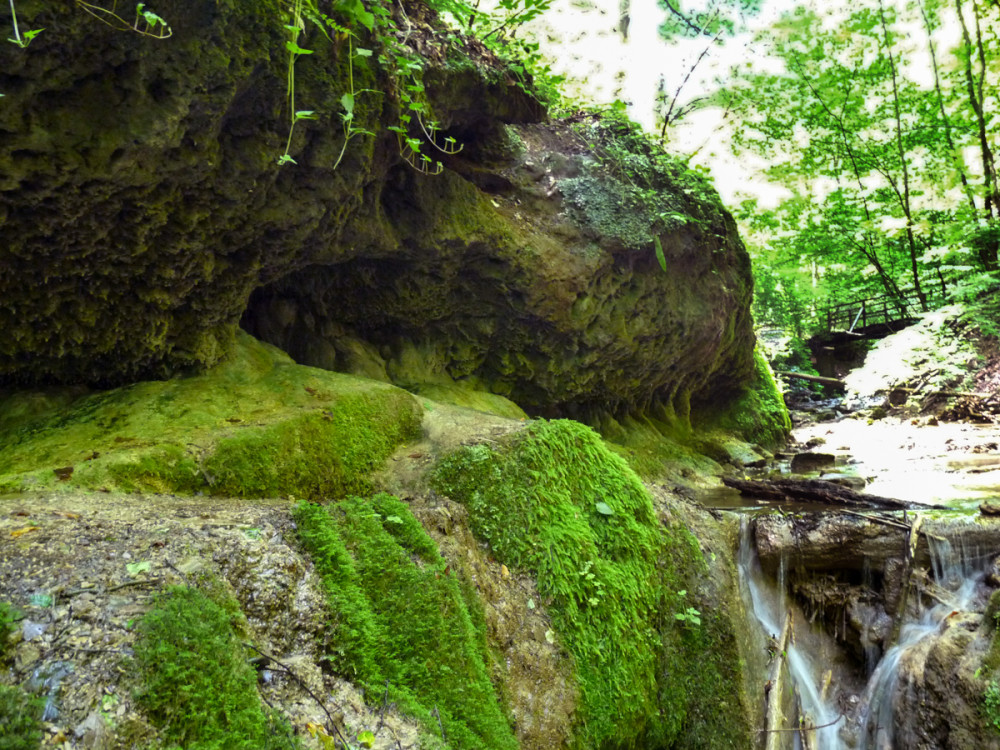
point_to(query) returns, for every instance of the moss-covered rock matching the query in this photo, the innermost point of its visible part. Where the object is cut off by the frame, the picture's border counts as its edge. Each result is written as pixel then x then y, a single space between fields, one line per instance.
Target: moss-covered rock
pixel 402 622
pixel 530 271
pixel 758 413
pixel 553 501
pixel 196 682
pixel 257 425
pixel 140 193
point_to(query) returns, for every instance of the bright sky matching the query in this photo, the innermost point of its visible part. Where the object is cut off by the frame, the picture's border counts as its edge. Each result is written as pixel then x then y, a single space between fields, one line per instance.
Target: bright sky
pixel 583 38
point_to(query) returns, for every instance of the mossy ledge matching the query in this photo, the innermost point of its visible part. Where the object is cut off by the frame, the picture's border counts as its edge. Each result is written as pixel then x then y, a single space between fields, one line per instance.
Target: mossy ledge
pixel 257 425
pixel 402 623
pixel 555 502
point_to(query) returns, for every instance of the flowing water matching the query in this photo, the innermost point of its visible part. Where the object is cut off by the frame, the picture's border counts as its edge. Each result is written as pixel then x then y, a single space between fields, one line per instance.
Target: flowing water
pixel 955 574
pixel 770 606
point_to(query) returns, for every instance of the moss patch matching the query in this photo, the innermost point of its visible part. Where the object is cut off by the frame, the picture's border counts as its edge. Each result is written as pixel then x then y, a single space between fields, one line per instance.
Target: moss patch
pixel 402 621
pixel 758 414
pixel 490 403
pixel 556 502
pixel 256 426
pixel 198 686
pixel 20 719
pixel 655 448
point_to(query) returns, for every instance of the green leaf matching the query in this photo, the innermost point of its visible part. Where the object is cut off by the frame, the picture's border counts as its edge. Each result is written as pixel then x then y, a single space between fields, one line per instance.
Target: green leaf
pixel 659 252
pixel 362 52
pixel 366 738
pixel 136 568
pixel 306 114
pixel 296 49
pixel 393 519
pixel 347 102
pixel 604 509
pixel 40 600
pixel 286 159
pixel 367 19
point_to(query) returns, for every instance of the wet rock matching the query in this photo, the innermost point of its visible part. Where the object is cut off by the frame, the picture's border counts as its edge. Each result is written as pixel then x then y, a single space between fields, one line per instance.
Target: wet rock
pixel 851 481
pixel 803 463
pixel 990 508
pixel 937 699
pixel 93 733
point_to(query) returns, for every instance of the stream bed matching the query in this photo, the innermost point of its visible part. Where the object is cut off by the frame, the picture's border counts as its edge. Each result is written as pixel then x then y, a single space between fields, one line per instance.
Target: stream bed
pixel 881 624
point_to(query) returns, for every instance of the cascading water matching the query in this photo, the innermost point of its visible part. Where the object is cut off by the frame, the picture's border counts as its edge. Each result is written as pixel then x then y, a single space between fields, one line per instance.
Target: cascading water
pixel 769 605
pixel 957 581
pixel 954 580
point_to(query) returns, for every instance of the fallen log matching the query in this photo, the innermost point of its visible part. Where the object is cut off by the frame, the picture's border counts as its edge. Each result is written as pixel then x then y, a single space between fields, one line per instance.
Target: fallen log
pixel 812 378
pixel 814 491
pixel 826 542
pixel 949 394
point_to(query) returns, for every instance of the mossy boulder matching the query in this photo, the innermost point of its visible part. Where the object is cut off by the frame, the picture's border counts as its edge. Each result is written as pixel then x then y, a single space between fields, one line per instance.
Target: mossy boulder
pixel 140 193
pixel 614 575
pixel 256 425
pixel 757 414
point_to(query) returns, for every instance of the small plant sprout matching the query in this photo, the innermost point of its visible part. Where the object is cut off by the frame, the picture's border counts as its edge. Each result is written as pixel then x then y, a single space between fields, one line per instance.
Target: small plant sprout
pixel 21 40
pixel 690 617
pixel 145 23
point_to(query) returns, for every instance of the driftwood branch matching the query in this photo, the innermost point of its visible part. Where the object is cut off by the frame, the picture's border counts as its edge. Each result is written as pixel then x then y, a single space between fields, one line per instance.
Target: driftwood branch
pixel 813 491
pixel 812 378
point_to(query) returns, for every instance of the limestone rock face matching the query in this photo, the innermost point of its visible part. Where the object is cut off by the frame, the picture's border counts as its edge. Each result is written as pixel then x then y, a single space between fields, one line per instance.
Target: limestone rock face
pixel 145 215
pixel 530 271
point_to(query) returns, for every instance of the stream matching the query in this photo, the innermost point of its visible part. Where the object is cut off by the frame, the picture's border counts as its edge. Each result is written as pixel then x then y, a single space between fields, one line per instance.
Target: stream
pixel 863 612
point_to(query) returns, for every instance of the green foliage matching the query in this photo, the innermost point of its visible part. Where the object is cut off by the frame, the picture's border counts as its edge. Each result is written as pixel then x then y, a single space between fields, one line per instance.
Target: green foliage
pixel 981 295
pixel 542 503
pixel 635 190
pixel 402 622
pixel 22 40
pixel 7 619
pixel 197 685
pixel 706 19
pixel 20 719
pixel 991 705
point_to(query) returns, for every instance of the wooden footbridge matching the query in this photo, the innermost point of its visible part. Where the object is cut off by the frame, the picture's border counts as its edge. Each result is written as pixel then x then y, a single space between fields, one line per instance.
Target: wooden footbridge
pixel 836 350
pixel 871 318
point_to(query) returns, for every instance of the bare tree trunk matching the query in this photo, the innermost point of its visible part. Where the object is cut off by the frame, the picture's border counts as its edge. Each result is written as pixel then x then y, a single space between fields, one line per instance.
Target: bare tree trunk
pixel 945 120
pixel 905 198
pixel 988 250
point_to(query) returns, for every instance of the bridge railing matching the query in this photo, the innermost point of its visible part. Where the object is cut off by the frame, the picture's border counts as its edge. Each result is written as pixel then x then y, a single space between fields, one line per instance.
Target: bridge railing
pixel 849 316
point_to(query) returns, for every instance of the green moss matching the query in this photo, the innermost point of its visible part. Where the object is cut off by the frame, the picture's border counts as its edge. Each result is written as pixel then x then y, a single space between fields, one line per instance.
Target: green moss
pixel 556 502
pixel 7 617
pixel 198 686
pixel 20 719
pixel 401 621
pixel 257 425
pixel 655 448
pixel 758 414
pixel 635 189
pixel 490 403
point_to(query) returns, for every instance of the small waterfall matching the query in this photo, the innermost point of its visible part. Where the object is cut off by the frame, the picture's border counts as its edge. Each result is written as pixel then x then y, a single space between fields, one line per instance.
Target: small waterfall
pixel 951 585
pixel 770 606
pixel 955 580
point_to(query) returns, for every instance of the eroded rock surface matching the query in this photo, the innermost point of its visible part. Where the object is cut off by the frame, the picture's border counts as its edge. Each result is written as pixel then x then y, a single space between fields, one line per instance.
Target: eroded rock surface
pixel 143 207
